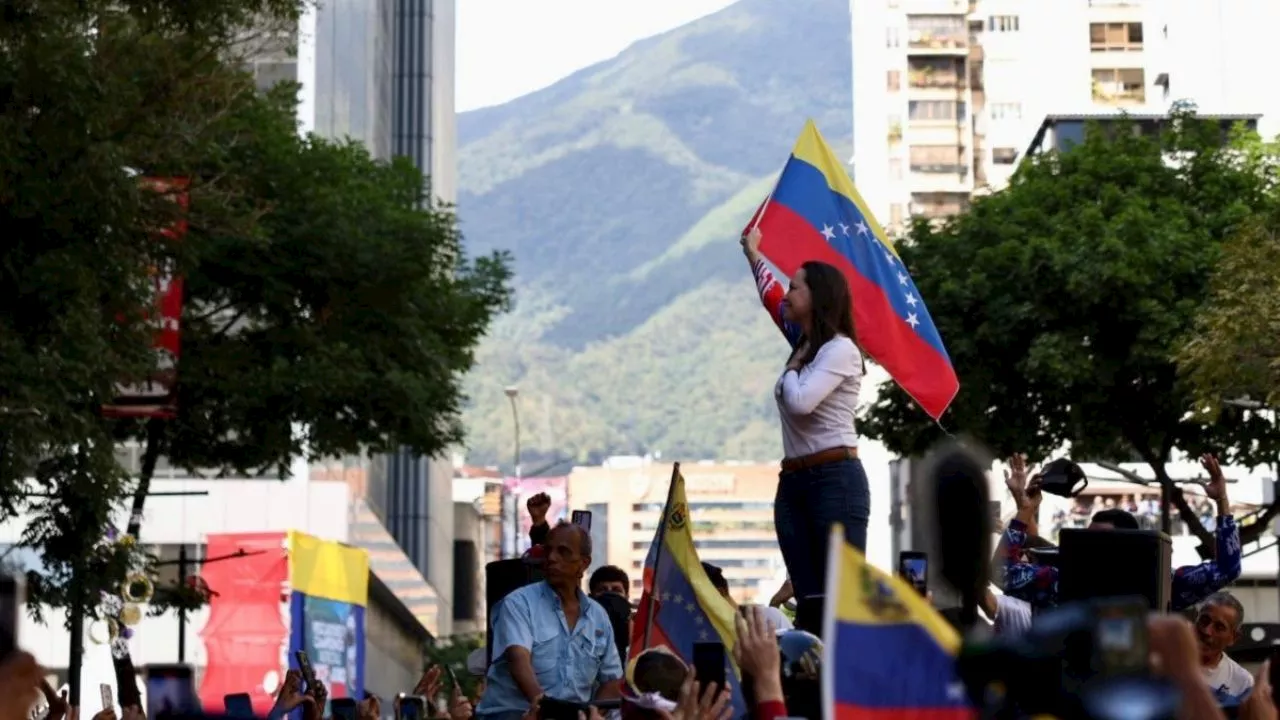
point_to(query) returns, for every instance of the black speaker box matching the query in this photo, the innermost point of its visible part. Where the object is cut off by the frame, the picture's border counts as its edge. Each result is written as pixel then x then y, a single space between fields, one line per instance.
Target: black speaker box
pixel 501 578
pixel 1115 563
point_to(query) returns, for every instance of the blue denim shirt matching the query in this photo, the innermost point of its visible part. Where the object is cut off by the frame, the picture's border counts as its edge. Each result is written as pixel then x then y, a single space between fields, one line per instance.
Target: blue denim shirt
pixel 569 664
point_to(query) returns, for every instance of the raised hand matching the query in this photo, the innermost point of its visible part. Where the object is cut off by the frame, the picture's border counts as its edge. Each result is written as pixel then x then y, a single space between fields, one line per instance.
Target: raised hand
pixel 538 505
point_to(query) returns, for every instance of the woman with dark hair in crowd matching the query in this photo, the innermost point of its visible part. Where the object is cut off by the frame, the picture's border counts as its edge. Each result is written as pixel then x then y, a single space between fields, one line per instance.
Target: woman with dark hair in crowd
pixel 822 480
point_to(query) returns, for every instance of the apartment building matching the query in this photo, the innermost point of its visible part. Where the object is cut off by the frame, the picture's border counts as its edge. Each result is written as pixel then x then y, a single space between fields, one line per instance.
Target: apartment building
pixel 730 506
pixel 947 94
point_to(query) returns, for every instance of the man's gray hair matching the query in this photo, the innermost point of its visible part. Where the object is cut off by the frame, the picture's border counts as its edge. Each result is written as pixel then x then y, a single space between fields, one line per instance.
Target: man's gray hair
pixel 584 537
pixel 1222 598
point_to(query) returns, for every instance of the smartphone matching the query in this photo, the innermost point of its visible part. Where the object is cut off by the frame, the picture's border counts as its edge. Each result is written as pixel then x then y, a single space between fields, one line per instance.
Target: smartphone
pixel 170 691
pixel 13 590
pixel 239 705
pixel 412 707
pixel 582 518
pixel 1120 643
pixel 993 508
pixel 308 672
pixel 708 663
pixel 914 568
pixel 343 708
pixel 108 698
pixel 453 678
pixel 1273 674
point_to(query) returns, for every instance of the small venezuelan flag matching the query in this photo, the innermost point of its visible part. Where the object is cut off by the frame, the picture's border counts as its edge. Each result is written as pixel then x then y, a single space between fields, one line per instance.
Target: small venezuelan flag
pixel 889 655
pixel 680 606
pixel 815 213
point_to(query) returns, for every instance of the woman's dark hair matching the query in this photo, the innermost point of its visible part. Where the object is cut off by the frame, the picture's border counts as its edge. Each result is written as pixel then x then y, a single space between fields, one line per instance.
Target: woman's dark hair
pixel 830 304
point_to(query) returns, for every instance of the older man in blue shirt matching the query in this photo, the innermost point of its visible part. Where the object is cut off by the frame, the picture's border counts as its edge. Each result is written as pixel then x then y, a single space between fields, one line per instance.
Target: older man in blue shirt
pixel 550 639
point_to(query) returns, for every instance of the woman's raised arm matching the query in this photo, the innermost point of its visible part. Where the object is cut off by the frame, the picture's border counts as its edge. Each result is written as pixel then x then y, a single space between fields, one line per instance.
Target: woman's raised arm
pixel 772 294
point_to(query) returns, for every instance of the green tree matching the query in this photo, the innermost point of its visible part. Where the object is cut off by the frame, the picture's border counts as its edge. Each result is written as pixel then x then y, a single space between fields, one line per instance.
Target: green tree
pixel 330 307
pixel 452 653
pixel 1063 298
pixel 1234 348
pixel 94 92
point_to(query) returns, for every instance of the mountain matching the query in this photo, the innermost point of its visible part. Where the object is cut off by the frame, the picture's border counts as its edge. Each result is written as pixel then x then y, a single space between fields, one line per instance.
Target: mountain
pixel 621 190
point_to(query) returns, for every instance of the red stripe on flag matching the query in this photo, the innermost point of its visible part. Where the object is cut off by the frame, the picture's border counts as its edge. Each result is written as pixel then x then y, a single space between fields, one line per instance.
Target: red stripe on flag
pixel 789 242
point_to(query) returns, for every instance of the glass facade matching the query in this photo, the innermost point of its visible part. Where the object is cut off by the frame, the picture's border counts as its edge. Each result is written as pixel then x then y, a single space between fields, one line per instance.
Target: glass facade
pixel 411 129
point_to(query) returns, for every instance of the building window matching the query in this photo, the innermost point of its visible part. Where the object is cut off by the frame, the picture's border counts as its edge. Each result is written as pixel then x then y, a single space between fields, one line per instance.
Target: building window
pixel 937 159
pixel 895 80
pixel 1006 111
pixel 937 31
pixel 892 39
pixel 895 214
pixel 1002 23
pixel 895 128
pixel 1119 86
pixel 1004 155
pixel 936 110
pixel 1120 37
pixel 938 206
pixel 895 168
pixel 935 72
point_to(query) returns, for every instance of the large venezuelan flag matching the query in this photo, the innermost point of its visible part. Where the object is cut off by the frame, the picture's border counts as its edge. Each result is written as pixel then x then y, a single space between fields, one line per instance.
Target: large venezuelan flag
pixel 679 601
pixel 815 213
pixel 889 654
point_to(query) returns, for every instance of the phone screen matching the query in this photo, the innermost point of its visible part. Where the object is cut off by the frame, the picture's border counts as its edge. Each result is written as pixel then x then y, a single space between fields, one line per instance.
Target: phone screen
pixel 914 568
pixel 582 518
pixel 239 705
pixel 170 691
pixel 708 663
pixel 413 707
pixel 343 708
pixel 108 700
pixel 1120 638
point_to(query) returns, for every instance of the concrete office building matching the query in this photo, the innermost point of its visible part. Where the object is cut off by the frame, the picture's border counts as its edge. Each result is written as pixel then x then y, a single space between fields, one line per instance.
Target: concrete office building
pixel 948 94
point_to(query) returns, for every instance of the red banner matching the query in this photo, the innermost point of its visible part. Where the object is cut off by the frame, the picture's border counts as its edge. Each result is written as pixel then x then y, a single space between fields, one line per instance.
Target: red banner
pixel 154 397
pixel 245 638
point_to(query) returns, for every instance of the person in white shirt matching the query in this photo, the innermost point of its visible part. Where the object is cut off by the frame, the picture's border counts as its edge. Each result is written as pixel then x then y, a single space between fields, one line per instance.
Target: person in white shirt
pixel 1218 628
pixel 822 480
pixel 1009 615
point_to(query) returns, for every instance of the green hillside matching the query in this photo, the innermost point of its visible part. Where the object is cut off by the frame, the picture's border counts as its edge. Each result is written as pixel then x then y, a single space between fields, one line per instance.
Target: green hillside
pixel 621 190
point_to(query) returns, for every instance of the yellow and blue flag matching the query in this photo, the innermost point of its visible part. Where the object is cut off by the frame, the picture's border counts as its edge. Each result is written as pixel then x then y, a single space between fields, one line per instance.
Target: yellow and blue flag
pixel 888 654
pixel 680 606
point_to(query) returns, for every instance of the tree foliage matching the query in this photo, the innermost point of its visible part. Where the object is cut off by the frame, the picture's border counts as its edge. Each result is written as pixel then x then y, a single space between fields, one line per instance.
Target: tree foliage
pixel 330 307
pixel 452 653
pixel 1233 350
pixel 1063 299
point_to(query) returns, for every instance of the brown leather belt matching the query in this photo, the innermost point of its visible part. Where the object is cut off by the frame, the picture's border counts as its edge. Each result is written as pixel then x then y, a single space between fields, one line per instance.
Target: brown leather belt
pixel 822 457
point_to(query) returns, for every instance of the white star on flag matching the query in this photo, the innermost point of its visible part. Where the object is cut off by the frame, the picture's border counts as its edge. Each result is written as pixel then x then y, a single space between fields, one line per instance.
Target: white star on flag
pixel 955 691
pixel 703 636
pixel 844 229
pixel 889 256
pixel 691 606
pixel 912 320
pixel 862 228
pixel 902 279
pixel 666 597
pixel 828 232
pixel 911 300
pixel 697 620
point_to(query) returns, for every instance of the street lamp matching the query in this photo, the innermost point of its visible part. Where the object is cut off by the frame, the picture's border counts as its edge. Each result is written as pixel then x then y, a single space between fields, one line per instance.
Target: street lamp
pixel 513 393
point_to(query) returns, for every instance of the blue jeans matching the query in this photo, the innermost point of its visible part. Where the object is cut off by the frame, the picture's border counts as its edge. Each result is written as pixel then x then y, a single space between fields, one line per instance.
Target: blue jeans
pixel 809 501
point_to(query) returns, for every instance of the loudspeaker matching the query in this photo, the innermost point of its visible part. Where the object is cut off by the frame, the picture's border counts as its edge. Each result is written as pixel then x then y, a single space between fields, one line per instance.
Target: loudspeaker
pixel 501 578
pixel 1115 563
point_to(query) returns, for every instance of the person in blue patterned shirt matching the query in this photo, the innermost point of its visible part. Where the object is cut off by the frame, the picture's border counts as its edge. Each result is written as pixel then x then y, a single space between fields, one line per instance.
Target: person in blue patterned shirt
pixel 1038 584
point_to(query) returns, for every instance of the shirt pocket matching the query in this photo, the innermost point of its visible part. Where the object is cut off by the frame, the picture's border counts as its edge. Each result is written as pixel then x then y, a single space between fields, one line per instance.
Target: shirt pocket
pixel 548 653
pixel 586 658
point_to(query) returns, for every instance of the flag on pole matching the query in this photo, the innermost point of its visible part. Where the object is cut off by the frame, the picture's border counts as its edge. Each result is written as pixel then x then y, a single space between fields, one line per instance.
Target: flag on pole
pixel 911 673
pixel 815 213
pixel 680 606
